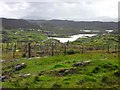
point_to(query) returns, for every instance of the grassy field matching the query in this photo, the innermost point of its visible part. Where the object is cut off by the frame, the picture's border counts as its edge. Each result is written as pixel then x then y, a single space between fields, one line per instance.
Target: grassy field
pixel 14 35
pixel 97 58
pixel 99 43
pixel 59 72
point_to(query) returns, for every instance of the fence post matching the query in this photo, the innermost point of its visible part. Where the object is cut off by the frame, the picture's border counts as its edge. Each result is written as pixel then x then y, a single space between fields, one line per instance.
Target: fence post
pixel 65 50
pixel 14 50
pixel 29 50
pixel 82 49
pixel 68 43
pixel 115 48
pixel 108 48
pixel 52 49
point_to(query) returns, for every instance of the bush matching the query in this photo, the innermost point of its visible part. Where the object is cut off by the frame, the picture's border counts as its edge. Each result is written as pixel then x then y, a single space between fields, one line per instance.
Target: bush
pixel 96 69
pixel 117 73
pixel 58 65
pixel 70 52
pixel 56 85
pixel 105 67
pixel 105 79
pixel 24 55
pixel 66 82
pixel 89 78
pixel 109 66
pixel 80 82
pixel 37 78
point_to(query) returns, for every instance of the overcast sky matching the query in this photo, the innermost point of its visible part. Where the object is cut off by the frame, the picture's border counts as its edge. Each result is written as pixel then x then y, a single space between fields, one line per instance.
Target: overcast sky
pixel 78 10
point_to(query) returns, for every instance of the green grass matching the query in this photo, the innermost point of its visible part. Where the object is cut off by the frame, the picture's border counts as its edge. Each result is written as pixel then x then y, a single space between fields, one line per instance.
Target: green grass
pixel 15 35
pixel 100 73
pixel 101 41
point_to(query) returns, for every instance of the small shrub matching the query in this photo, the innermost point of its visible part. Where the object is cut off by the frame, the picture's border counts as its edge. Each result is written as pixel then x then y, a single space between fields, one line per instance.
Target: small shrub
pixel 66 79
pixel 105 79
pixel 97 69
pixel 56 85
pixel 109 66
pixel 41 73
pixel 89 78
pixel 117 73
pixel 80 82
pixel 58 65
pixel 66 82
pixel 24 55
pixel 70 52
pixel 37 78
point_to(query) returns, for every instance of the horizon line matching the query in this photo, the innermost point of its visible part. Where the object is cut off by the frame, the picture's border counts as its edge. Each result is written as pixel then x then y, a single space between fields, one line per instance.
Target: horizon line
pixel 59 20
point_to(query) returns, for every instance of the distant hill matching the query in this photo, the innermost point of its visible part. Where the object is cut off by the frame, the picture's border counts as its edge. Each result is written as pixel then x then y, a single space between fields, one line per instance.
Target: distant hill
pixel 75 27
pixel 17 23
pixel 95 25
pixel 60 26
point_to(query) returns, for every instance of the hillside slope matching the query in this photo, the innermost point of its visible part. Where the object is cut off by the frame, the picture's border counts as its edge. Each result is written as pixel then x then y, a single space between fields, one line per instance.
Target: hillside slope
pixel 101 71
pixel 60 26
pixel 66 26
pixel 17 23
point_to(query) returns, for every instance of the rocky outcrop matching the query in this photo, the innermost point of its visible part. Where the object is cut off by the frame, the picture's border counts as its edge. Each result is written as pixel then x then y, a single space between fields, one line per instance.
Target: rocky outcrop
pixel 82 63
pixel 19 66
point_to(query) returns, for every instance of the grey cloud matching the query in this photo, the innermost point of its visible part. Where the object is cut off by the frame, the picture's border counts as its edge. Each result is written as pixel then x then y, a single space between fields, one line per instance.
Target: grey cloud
pixel 60 9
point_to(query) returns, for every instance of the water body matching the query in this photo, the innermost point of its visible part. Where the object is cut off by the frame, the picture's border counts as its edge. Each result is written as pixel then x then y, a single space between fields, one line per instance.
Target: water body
pixel 73 37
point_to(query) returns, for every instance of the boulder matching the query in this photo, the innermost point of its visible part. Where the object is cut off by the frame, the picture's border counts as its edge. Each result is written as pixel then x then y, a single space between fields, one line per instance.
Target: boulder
pixel 2 61
pixel 78 64
pixel 62 70
pixel 66 71
pixel 19 66
pixel 82 63
pixel 25 75
pixel 2 79
pixel 87 62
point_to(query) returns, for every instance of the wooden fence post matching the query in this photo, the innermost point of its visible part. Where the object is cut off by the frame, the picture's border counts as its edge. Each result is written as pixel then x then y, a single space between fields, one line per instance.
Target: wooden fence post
pixel 14 50
pixel 115 47
pixel 52 49
pixel 65 50
pixel 108 48
pixel 68 43
pixel 82 49
pixel 29 50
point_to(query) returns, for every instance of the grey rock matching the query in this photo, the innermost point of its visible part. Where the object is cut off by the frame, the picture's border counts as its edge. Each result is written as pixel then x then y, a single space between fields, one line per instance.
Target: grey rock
pixel 2 79
pixel 78 64
pixel 19 66
pixel 25 75
pixel 2 61
pixel 82 63
pixel 62 70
